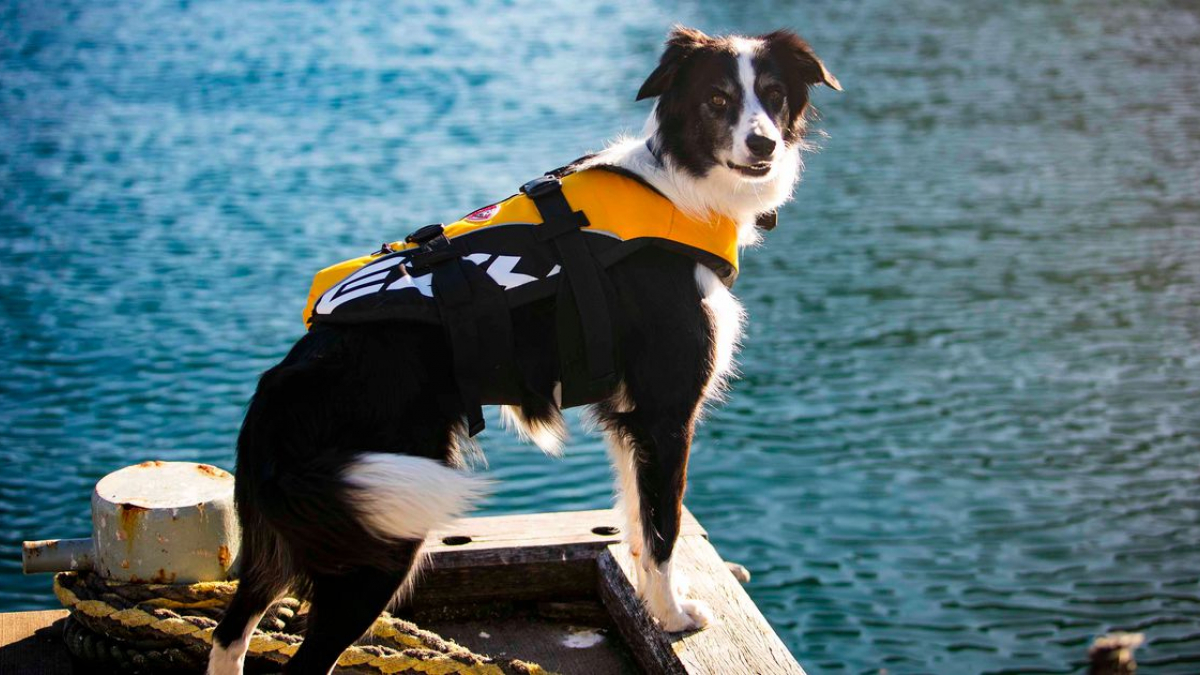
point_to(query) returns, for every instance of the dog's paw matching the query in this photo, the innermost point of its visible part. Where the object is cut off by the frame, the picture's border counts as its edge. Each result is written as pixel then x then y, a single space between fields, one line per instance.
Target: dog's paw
pixel 680 584
pixel 692 615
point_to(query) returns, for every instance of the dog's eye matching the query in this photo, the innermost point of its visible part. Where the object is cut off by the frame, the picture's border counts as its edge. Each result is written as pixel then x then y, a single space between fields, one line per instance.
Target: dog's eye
pixel 718 101
pixel 773 96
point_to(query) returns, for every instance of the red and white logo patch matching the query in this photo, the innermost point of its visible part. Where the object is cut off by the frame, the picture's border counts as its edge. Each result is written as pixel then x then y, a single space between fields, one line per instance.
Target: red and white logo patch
pixel 483 214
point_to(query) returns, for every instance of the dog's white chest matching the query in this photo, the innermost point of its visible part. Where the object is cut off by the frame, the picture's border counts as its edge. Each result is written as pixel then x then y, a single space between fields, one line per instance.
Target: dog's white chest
pixel 727 318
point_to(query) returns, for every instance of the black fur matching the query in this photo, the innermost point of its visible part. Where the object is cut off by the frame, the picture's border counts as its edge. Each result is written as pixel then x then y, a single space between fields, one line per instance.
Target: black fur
pixel 789 63
pixel 695 67
pixel 669 355
pixel 344 390
pixel 389 388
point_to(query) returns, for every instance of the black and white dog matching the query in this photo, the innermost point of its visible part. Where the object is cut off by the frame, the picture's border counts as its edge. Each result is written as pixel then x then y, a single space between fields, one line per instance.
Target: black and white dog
pixel 351 448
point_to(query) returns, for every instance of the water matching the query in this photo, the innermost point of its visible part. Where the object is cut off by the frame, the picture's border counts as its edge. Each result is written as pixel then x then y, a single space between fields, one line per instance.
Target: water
pixel 966 436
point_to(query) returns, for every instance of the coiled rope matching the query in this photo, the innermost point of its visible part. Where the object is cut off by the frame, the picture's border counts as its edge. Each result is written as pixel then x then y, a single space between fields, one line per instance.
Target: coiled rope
pixel 168 627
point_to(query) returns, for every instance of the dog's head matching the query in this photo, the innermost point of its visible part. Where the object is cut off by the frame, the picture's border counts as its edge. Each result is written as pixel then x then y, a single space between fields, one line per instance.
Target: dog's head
pixel 733 104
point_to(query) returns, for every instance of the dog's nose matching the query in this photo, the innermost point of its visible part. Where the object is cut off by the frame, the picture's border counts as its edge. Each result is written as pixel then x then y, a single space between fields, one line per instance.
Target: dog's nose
pixel 761 146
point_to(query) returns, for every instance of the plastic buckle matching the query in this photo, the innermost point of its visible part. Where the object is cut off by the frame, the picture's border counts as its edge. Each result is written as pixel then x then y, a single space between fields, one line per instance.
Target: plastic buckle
pixel 425 234
pixel 432 247
pixel 542 185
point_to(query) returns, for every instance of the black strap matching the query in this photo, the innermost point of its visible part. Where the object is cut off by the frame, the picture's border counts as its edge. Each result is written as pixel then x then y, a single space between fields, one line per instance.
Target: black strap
pixel 452 291
pixel 561 226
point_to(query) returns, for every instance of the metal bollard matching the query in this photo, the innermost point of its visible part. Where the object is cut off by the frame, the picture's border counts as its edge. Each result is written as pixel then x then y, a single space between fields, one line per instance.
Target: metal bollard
pixel 158 522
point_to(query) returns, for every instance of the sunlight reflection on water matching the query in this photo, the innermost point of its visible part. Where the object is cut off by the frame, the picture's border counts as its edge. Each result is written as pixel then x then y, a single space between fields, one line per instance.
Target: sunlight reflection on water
pixel 965 436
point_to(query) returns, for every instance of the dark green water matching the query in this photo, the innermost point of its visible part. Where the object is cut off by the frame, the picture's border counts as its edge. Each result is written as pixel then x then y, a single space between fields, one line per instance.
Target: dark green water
pixel 967 436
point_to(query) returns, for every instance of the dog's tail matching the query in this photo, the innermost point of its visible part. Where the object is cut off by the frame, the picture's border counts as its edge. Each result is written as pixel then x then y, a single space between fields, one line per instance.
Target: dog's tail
pixel 325 508
pixel 403 497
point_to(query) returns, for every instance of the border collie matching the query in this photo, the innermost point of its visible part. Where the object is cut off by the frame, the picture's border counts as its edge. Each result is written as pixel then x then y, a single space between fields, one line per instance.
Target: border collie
pixel 352 447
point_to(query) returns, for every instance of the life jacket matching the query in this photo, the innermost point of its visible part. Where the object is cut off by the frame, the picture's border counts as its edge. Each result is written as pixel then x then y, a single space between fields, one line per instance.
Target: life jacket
pixel 554 238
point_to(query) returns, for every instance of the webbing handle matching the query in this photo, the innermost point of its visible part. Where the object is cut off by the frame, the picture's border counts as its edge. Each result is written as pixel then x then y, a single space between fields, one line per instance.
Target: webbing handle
pixel 562 227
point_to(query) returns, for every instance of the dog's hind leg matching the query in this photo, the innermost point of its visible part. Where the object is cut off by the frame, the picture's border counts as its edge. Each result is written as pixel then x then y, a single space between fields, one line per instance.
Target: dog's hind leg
pixel 358 559
pixel 343 608
pixel 623 455
pixel 261 583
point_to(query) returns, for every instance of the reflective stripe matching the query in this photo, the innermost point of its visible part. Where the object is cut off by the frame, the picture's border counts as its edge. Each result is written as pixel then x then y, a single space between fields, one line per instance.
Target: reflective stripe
pixel 615 205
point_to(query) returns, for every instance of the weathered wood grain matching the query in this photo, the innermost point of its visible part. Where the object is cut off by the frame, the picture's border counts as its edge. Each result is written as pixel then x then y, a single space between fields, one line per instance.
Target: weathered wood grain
pixel 738 641
pixel 542 557
pixel 533 530
pixel 475 581
pixel 544 642
pixel 650 647
pixel 31 643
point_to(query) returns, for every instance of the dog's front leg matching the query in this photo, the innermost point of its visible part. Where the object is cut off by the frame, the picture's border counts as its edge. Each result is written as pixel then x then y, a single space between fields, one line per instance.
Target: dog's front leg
pixel 659 448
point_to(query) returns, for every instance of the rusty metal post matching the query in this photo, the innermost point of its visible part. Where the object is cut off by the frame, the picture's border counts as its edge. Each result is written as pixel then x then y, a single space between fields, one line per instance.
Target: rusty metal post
pixel 57 555
pixel 165 522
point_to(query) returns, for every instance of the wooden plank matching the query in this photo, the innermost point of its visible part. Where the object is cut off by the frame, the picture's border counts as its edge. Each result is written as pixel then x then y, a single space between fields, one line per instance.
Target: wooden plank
pixel 538 556
pixel 555 556
pixel 453 544
pixel 31 643
pixel 541 556
pixel 569 648
pixel 650 646
pixel 563 579
pixel 738 641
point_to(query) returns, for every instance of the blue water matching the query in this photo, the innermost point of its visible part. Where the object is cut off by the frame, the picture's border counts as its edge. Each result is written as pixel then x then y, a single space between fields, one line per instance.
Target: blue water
pixel 966 439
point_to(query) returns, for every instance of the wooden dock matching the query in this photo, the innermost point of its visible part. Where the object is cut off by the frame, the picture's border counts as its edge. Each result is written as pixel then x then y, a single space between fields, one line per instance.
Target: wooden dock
pixel 552 588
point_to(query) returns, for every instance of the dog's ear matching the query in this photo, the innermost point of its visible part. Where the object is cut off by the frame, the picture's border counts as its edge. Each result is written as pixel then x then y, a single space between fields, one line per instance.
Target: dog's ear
pixel 682 43
pixel 792 50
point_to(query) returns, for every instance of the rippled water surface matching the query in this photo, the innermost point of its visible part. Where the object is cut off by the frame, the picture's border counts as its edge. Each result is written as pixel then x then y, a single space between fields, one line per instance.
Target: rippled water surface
pixel 966 438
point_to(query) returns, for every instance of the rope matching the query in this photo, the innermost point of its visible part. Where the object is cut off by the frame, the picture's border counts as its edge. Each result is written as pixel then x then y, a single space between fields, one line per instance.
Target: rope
pixel 168 627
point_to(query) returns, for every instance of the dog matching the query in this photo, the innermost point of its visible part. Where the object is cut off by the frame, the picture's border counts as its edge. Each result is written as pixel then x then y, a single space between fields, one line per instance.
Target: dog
pixel 352 446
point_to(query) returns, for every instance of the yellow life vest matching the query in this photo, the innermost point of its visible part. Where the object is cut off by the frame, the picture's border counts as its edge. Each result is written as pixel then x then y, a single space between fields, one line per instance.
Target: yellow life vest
pixel 466 276
pixel 619 206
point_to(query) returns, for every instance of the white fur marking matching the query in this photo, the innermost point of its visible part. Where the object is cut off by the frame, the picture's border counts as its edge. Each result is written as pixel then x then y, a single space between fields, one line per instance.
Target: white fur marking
pixel 620 400
pixel 745 45
pixel 727 317
pixel 722 190
pixel 660 592
pixel 628 502
pixel 404 497
pixel 548 436
pixel 753 118
pixel 229 661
